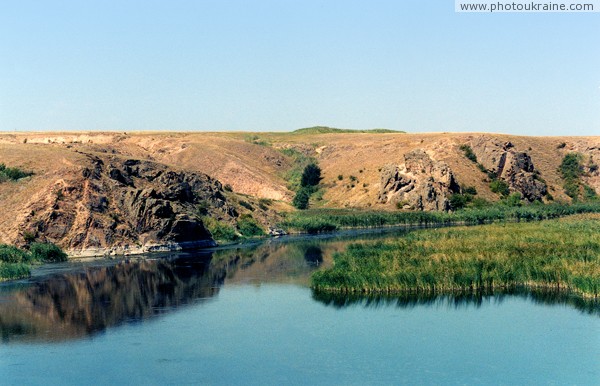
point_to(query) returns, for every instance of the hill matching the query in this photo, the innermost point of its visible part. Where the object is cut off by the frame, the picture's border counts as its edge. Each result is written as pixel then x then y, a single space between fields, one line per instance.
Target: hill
pixel 121 192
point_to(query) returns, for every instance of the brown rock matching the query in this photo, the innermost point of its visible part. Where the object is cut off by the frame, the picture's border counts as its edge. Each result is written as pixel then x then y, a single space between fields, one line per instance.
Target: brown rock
pixel 420 183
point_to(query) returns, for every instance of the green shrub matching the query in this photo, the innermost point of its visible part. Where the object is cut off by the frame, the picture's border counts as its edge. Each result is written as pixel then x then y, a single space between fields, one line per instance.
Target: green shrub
pixel 311 176
pixel 458 201
pixel 340 177
pixel 13 174
pixel 589 194
pixel 248 227
pixel 513 200
pixel 301 199
pixel 219 230
pixel 571 188
pixel 12 254
pixel 479 203
pixel 246 205
pixel 571 171
pixel 468 152
pixel 469 190
pixel 13 271
pixel 571 167
pixel 500 187
pixel 47 252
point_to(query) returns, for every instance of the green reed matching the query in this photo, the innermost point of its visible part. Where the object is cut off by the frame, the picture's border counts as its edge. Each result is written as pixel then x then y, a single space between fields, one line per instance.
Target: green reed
pixel 561 254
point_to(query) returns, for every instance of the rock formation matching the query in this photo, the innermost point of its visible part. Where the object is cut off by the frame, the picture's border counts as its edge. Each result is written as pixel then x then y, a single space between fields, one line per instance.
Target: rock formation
pixel 510 165
pixel 124 204
pixel 420 183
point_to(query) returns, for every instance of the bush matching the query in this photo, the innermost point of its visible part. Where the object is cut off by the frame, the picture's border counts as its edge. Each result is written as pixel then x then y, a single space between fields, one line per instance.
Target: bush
pixel 470 190
pixel 301 199
pixel 571 188
pixel 13 271
pixel 468 152
pixel 571 167
pixel 311 176
pixel 589 194
pixel 500 187
pixel 219 230
pixel 246 205
pixel 513 200
pixel 12 254
pixel 249 228
pixel 47 252
pixel 458 201
pixel 13 174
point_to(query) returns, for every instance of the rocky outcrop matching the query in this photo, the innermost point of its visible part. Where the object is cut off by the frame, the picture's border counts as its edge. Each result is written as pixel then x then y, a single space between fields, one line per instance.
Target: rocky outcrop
pixel 510 165
pixel 420 183
pixel 125 205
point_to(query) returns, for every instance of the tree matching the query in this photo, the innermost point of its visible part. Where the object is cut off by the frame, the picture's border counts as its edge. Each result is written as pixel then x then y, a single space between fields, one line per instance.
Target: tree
pixel 311 175
pixel 301 198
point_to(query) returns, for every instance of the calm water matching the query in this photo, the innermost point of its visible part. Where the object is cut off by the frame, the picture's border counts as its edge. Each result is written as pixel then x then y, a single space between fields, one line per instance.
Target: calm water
pixel 246 316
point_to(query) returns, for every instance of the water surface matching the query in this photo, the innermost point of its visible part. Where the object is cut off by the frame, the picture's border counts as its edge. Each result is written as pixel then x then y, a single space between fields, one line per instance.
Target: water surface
pixel 247 316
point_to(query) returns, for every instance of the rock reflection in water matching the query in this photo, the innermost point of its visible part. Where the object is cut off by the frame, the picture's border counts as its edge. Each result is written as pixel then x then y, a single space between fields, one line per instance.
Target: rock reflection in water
pixel 77 304
pixel 73 305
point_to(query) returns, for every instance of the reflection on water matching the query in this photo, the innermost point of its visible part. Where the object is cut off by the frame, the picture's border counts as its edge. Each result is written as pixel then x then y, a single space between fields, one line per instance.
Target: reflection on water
pixel 69 305
pixel 457 300
pixel 74 304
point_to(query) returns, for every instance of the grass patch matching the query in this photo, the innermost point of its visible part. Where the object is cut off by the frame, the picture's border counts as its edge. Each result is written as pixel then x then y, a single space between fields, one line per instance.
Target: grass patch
pixel 327 220
pixel 16 263
pixel 561 254
pixel 219 230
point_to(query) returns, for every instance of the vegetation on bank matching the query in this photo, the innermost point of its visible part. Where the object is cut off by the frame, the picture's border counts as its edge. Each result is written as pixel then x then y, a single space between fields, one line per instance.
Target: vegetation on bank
pixel 16 263
pixel 560 254
pixel 12 174
pixel 309 184
pixel 571 169
pixel 246 227
pixel 326 220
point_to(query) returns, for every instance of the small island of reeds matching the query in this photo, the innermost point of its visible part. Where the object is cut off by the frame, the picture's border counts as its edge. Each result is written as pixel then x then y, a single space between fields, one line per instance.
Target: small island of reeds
pixel 551 254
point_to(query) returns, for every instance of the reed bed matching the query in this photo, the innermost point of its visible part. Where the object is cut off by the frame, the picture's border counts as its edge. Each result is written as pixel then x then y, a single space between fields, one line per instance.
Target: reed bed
pixel 560 254
pixel 327 220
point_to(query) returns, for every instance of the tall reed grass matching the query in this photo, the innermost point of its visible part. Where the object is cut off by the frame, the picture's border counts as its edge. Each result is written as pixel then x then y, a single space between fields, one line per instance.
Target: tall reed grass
pixel 560 254
pixel 327 220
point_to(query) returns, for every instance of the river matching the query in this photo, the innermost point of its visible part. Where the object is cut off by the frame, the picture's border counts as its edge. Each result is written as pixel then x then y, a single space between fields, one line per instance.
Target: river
pixel 247 316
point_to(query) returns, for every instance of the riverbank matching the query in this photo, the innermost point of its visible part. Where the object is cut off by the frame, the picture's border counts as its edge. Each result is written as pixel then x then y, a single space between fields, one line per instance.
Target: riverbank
pixel 559 254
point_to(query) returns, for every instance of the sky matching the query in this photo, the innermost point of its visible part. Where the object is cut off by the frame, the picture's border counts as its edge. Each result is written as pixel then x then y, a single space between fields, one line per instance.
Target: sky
pixel 411 65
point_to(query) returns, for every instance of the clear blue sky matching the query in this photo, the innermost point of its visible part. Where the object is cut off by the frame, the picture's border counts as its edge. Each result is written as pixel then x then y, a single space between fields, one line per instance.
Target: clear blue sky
pixel 280 65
